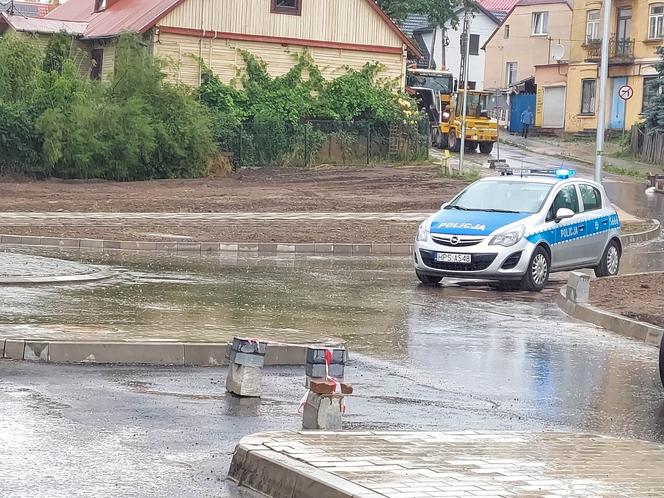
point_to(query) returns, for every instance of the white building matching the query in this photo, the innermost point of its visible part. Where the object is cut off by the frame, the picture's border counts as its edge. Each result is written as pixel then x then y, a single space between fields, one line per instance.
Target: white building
pixel 448 54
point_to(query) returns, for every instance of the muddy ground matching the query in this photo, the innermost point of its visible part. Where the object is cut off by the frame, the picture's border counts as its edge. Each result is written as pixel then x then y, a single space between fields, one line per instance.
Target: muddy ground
pixel 640 297
pixel 377 188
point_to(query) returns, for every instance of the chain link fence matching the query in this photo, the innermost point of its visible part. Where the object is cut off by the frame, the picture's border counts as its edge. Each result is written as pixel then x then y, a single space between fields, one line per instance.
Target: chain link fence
pixel 315 142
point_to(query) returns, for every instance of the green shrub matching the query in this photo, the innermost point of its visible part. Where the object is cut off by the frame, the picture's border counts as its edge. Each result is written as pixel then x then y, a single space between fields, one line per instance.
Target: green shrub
pixel 19 140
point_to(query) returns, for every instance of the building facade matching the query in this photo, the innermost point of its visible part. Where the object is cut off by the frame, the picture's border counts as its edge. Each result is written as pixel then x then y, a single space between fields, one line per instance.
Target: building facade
pixel 337 33
pixel 637 30
pixel 534 32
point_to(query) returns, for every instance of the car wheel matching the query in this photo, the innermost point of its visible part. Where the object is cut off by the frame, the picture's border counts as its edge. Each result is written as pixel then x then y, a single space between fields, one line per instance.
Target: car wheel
pixel 537 274
pixel 453 143
pixel 610 263
pixel 661 361
pixel 471 146
pixel 428 279
pixel 486 147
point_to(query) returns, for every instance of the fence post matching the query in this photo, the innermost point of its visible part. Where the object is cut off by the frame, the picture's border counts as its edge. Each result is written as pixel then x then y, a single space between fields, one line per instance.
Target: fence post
pixel 368 141
pixel 306 149
pixel 239 153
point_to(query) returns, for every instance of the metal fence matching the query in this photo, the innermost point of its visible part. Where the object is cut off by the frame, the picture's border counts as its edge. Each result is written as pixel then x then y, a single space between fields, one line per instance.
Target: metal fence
pixel 315 142
pixel 648 146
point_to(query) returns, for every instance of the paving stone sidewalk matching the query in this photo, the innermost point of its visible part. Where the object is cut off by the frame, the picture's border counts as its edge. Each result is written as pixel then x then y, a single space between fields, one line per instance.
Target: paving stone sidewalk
pixel 460 464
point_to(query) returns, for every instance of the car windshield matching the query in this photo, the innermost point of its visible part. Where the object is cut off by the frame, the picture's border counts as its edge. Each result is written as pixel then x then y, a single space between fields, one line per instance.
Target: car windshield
pixel 502 197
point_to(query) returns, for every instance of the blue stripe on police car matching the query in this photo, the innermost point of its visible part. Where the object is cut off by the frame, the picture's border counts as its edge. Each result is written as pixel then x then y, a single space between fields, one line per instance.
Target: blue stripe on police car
pixel 453 221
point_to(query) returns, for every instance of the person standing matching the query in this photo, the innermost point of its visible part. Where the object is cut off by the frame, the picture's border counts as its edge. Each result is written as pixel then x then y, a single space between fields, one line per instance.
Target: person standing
pixel 526 121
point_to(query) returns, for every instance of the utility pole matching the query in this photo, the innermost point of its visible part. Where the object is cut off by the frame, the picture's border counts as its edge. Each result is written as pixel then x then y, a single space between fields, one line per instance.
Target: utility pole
pixel 464 65
pixel 603 80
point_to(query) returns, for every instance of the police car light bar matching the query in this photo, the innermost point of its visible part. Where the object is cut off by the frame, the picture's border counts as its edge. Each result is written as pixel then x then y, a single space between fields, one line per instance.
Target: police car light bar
pixel 562 173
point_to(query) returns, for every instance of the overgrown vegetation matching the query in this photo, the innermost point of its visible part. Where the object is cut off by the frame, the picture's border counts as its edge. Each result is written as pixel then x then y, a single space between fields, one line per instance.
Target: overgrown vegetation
pixel 55 121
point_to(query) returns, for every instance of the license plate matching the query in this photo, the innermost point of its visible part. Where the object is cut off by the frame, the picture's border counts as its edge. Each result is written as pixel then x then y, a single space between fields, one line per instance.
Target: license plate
pixel 451 257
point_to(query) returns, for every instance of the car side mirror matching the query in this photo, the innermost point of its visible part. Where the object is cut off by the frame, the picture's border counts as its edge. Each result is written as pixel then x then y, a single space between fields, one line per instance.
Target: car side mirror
pixel 563 214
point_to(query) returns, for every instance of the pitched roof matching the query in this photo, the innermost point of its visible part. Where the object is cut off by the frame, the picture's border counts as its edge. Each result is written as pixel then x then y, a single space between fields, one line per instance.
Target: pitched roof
pixel 414 22
pixel 498 5
pixel 40 25
pixel 141 15
pixel 119 16
pixel 28 9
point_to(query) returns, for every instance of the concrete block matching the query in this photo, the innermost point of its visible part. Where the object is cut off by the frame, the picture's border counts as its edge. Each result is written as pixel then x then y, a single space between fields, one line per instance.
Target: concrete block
pixel 14 349
pixel 578 287
pixel 305 248
pixel 400 249
pixel 324 248
pixel 247 247
pixel 285 354
pixel 10 239
pixel 35 351
pixel 322 412
pixel 381 249
pixel 228 247
pixel 267 248
pixel 343 249
pixel 247 352
pixel 92 244
pixel 166 246
pixel 48 241
pixel 289 248
pixel 149 353
pixel 111 244
pixel 62 242
pixel 137 245
pixel 31 241
pixel 244 380
pixel 205 354
pixel 189 247
pixel 209 246
pixel 2 348
pixel 362 249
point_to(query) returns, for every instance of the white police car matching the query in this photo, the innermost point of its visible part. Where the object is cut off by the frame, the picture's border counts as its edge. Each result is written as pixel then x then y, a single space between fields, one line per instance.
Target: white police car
pixel 519 227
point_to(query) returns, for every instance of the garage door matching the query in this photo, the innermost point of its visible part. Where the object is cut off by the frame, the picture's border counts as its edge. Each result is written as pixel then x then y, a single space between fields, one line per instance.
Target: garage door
pixel 553 107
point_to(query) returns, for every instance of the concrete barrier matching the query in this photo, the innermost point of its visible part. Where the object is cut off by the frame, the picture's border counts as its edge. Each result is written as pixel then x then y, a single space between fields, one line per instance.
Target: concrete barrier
pixel 578 287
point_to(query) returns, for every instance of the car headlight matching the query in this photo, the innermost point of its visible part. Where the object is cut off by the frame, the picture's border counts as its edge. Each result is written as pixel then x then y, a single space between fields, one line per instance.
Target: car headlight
pixel 423 232
pixel 508 238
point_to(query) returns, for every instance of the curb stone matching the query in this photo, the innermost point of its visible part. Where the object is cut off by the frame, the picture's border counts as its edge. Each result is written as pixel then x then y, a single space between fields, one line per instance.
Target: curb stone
pixel 145 353
pixel 58 279
pixel 633 329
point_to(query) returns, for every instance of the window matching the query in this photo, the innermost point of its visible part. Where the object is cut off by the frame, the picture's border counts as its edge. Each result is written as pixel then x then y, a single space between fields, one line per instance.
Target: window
pixel 540 23
pixel 591 197
pixel 650 90
pixel 507 31
pixel 656 21
pixel 474 44
pixel 592 26
pixel 97 56
pixel 588 97
pixel 510 72
pixel 567 199
pixel 293 7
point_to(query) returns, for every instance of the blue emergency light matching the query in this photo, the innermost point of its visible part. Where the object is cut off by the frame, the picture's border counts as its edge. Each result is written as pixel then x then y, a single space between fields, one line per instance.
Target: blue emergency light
pixel 564 173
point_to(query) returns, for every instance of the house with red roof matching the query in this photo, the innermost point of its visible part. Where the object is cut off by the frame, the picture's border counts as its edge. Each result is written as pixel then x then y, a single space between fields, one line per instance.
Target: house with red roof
pixel 337 33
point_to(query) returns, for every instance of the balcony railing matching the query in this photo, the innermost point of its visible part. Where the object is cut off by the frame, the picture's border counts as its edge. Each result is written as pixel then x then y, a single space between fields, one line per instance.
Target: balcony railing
pixel 621 50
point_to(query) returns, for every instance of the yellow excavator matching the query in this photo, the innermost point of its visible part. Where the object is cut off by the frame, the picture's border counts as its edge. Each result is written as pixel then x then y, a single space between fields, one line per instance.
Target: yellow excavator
pixel 480 128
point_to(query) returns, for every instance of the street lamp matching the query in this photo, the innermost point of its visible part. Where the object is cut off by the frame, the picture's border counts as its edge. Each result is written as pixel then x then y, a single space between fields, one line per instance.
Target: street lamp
pixel 603 79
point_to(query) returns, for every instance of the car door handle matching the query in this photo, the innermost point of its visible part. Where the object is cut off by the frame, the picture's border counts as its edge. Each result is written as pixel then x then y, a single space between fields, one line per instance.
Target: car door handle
pixel 605 222
pixel 581 228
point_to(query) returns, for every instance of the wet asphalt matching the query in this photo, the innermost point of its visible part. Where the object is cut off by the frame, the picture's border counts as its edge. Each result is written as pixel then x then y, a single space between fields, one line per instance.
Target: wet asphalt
pixel 441 358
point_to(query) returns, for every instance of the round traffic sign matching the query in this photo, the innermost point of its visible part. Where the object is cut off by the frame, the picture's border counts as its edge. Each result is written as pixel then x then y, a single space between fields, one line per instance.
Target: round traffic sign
pixel 625 92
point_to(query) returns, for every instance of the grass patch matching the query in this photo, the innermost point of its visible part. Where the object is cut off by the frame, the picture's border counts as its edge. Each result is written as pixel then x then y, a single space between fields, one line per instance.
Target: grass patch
pixel 616 170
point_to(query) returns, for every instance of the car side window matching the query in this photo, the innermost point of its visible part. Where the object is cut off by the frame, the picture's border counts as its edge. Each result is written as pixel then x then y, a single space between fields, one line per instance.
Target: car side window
pixel 566 198
pixel 591 197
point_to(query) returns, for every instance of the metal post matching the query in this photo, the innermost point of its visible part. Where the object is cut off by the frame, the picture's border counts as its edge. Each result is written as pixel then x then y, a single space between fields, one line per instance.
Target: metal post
pixel 466 29
pixel 603 80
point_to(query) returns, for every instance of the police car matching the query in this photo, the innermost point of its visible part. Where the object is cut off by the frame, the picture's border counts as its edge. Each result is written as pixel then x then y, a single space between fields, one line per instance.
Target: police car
pixel 519 227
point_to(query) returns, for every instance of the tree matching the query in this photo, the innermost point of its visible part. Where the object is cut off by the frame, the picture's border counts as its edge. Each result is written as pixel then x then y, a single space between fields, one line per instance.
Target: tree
pixel 655 113
pixel 441 13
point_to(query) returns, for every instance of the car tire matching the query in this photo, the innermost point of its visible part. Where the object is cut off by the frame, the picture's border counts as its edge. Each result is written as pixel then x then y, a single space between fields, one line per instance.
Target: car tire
pixel 610 262
pixel 453 142
pixel 471 146
pixel 486 147
pixel 428 279
pixel 537 273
